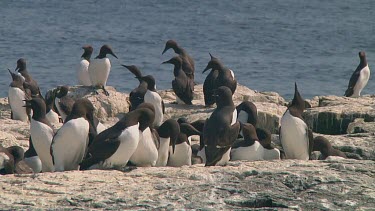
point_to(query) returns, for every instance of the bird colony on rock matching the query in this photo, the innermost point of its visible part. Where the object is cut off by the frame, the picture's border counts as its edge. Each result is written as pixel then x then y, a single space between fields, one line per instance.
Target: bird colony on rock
pixel 142 137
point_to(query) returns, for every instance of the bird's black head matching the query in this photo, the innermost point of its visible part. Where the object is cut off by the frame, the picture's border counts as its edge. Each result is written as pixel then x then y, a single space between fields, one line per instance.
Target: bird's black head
pixel 104 50
pixel 21 65
pixel 150 80
pixel 17 153
pixel 37 104
pixel 177 61
pixel 213 64
pixel 170 44
pixel 170 129
pixel 362 57
pixel 15 76
pixel 147 115
pixel 87 52
pixel 134 69
pixel 61 91
pixel 223 96
pixel 249 132
pixel 298 103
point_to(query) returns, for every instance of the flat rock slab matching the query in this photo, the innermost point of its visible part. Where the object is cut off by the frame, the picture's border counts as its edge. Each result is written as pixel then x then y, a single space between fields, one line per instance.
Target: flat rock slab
pixel 333 114
pixel 289 184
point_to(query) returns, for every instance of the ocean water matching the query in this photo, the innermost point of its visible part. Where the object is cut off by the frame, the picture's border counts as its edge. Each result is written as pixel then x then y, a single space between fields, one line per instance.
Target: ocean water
pixel 268 44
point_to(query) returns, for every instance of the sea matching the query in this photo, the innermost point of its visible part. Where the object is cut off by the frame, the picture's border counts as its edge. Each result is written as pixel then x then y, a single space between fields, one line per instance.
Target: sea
pixel 269 44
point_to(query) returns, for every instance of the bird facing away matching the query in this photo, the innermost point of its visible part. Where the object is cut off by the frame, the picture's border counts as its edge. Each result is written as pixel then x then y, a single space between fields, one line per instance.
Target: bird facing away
pixel 83 67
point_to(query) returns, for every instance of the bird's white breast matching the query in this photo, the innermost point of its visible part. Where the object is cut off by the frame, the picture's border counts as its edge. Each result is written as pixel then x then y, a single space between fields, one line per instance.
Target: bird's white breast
pixel 69 144
pixel 83 73
pixel 99 70
pixel 146 153
pixel 52 117
pixel 250 153
pixel 16 97
pixel 181 155
pixel 34 163
pixel 364 76
pixel 294 137
pixel 155 99
pixel 163 152
pixel 271 154
pixel 234 117
pixel 129 140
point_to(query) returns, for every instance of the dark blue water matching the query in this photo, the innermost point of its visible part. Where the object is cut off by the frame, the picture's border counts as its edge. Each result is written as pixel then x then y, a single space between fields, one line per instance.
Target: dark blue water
pixel 268 44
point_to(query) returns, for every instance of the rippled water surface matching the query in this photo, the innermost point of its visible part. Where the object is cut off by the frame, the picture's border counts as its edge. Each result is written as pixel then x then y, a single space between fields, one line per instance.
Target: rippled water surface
pixel 268 44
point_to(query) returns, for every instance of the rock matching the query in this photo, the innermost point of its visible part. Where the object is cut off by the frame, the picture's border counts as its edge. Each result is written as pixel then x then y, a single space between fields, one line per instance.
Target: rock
pixel 290 184
pixel 106 106
pixel 360 126
pixel 333 114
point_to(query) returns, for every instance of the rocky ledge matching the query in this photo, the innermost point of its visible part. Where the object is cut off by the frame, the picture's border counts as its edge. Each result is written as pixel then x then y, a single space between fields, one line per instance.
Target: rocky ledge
pixel 309 185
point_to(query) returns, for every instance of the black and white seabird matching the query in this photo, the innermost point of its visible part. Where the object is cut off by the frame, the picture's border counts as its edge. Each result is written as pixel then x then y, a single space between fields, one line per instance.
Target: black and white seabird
pixel 41 132
pixel 188 65
pixel 70 143
pixel 182 85
pixel 359 78
pixel 295 136
pixel 83 67
pixel 270 152
pixel 248 149
pixel 152 97
pixel 182 153
pixel 17 97
pixel 99 69
pixel 322 144
pixel 11 161
pixel 63 102
pixel 137 95
pixel 146 154
pixel 32 84
pixel 225 76
pixel 168 133
pixel 221 129
pixel 113 147
pixel 32 159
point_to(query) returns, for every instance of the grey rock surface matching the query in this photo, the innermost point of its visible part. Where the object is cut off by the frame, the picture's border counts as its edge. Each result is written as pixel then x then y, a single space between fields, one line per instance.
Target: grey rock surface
pixel 288 184
pixel 333 114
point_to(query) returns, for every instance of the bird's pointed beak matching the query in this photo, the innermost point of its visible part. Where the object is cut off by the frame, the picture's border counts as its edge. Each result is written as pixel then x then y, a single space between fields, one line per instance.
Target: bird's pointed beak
pixel 126 66
pixel 207 68
pixel 113 54
pixel 17 68
pixel 165 50
pixel 166 62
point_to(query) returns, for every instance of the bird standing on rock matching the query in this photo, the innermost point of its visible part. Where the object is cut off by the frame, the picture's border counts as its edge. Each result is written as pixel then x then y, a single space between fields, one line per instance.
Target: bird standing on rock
pixel 221 129
pixel 152 97
pixel 99 69
pixel 69 145
pixel 188 65
pixel 295 137
pixel 359 78
pixel 41 133
pixel 82 69
pixel 16 98
pixel 182 86
pixel 168 133
pixel 225 77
